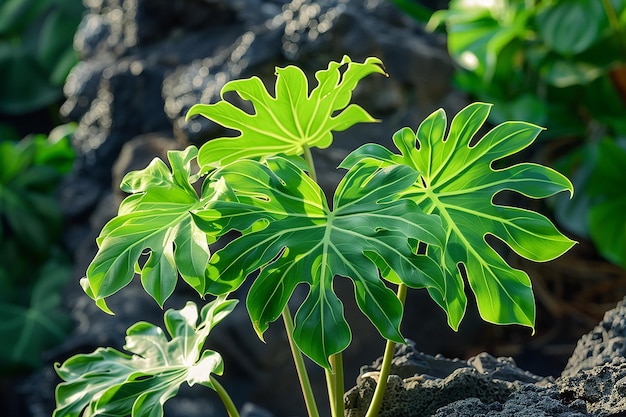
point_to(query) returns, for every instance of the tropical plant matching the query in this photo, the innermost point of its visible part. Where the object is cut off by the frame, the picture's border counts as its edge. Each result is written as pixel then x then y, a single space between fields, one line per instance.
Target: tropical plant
pixel 417 219
pixel 525 57
pixel 33 268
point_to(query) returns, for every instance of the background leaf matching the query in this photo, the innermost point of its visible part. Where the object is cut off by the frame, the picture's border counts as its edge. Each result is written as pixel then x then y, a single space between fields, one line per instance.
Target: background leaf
pixel 557 21
pixel 112 383
pixel 38 323
pixel 607 211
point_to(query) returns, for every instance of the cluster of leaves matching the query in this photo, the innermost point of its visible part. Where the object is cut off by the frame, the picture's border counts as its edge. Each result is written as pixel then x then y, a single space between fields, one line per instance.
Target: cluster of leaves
pixel 36 51
pixel 416 219
pixel 561 65
pixel 32 267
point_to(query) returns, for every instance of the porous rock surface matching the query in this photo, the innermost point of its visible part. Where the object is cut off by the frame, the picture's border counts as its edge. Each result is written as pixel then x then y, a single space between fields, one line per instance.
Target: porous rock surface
pixel 592 384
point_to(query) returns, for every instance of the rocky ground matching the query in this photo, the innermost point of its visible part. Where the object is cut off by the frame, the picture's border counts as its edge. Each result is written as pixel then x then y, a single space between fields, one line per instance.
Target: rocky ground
pixel 592 384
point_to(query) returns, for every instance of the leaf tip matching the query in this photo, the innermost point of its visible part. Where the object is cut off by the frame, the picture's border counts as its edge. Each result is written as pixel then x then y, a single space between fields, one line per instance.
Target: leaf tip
pixel 192 112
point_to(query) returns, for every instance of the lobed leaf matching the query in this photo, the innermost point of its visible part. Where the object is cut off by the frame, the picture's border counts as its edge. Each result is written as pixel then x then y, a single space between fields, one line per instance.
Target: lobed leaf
pixel 458 182
pixel 292 236
pixel 290 121
pixel 155 219
pixel 108 382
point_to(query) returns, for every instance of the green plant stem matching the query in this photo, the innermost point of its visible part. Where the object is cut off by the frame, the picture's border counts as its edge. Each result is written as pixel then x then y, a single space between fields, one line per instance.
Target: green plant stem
pixel 226 400
pixel 614 23
pixel 335 384
pixel 390 347
pixel 303 376
pixel 308 157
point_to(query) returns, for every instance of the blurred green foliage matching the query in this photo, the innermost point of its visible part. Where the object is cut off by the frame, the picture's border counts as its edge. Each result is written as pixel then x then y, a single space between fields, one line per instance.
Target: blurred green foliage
pixel 36 51
pixel 33 267
pixel 562 65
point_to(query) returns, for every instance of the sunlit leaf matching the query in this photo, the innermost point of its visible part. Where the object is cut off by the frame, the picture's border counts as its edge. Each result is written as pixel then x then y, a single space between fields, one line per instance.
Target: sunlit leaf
pixel 292 119
pixel 293 237
pixel 458 181
pixel 108 382
pixel 155 219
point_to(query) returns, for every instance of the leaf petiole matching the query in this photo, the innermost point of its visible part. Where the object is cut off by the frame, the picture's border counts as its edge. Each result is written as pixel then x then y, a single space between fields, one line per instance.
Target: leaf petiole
pixel 334 381
pixel 381 386
pixel 226 400
pixel 303 376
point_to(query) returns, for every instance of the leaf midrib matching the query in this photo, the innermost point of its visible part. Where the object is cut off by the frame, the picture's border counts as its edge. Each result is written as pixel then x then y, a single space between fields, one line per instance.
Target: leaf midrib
pixel 437 204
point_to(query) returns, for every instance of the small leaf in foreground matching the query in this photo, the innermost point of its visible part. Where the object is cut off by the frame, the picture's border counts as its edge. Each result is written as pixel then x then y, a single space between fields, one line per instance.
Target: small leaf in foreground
pixel 110 383
pixel 458 182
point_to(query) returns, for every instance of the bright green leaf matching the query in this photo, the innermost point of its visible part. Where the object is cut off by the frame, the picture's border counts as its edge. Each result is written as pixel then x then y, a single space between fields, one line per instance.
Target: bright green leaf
pixel 156 218
pixel 458 182
pixel 293 237
pixel 111 383
pixel 290 121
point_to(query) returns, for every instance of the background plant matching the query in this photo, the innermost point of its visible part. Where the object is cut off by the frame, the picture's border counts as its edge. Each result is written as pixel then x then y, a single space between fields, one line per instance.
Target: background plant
pixel 416 219
pixel 33 267
pixel 561 65
pixel 36 52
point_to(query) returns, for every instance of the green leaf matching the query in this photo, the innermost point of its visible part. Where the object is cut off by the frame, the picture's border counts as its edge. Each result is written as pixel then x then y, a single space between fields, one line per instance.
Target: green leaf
pixel 571 27
pixel 290 121
pixel 478 34
pixel 39 323
pixel 458 182
pixel 607 210
pixel 293 237
pixel 157 218
pixel 108 382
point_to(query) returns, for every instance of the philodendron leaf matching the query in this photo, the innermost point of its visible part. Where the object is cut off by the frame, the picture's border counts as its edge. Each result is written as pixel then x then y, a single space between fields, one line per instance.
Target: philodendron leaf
pixel 290 121
pixel 458 182
pixel 110 383
pixel 293 237
pixel 156 218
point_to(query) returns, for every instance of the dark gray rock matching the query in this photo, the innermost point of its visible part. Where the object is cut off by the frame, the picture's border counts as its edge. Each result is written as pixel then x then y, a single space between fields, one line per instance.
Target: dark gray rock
pixel 530 401
pixel 421 384
pixel 602 388
pixel 596 371
pixel 598 347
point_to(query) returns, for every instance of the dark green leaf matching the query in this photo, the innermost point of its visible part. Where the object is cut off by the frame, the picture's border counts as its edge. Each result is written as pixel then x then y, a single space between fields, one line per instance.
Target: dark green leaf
pixel 29 328
pixel 293 237
pixel 571 27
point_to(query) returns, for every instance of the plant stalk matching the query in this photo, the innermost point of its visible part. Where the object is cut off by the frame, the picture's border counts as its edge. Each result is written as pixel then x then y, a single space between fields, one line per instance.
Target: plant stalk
pixel 226 400
pixel 303 376
pixel 614 22
pixel 385 369
pixel 308 157
pixel 335 384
